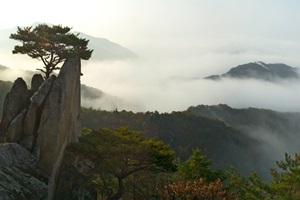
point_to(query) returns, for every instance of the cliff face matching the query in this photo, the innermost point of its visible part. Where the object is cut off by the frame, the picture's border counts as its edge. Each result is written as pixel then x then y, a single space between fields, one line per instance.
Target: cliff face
pixel 60 120
pixel 45 118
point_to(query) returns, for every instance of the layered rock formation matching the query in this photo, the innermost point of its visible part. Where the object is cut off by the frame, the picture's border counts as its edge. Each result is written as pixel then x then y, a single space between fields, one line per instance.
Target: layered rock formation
pixel 45 118
pixel 19 176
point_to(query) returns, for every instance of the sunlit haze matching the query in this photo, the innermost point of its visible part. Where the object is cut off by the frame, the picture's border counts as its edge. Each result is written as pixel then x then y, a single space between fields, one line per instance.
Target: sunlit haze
pixel 176 42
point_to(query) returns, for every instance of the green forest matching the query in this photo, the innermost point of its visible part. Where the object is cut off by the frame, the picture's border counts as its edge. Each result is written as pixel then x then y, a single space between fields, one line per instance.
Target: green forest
pixel 161 156
pixel 124 163
pixel 204 152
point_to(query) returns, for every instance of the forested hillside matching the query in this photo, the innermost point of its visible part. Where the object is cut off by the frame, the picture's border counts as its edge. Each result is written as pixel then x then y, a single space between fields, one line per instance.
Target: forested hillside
pixel 260 71
pixel 277 132
pixel 184 132
pixel 245 138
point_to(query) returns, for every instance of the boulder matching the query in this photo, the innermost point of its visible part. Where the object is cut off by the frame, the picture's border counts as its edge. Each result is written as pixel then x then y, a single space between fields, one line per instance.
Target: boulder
pixel 36 81
pixel 28 142
pixel 15 101
pixel 32 119
pixel 15 129
pixel 17 169
pixel 72 182
pixel 13 154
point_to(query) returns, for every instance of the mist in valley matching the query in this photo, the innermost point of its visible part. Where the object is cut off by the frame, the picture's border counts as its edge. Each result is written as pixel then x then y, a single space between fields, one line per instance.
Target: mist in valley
pixel 175 49
pixel 167 82
pixel 147 88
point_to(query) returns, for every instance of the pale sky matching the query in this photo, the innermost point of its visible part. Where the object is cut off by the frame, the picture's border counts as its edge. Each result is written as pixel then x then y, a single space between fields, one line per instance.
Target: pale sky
pixel 188 38
pixel 134 21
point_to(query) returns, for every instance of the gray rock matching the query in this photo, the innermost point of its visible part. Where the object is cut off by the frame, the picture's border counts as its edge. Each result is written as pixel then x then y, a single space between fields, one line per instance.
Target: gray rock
pixel 16 184
pixel 15 129
pixel 31 122
pixel 39 97
pixel 72 183
pixel 27 142
pixel 36 82
pixel 13 154
pixel 60 120
pixel 47 124
pixel 17 166
pixel 15 101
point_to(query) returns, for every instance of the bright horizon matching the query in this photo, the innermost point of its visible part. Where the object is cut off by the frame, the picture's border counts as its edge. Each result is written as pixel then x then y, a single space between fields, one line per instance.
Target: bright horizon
pixel 192 38
pixel 197 23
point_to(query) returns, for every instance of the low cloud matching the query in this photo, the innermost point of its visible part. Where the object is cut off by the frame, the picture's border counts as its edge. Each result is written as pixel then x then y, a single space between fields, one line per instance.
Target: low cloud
pixel 168 75
pixel 157 89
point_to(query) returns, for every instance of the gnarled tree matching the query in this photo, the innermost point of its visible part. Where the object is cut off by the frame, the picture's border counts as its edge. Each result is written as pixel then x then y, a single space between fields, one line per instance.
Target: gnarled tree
pixel 50 44
pixel 120 153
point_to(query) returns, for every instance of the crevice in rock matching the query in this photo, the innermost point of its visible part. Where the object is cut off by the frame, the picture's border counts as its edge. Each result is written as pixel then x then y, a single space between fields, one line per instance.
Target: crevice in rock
pixel 38 119
pixel 51 122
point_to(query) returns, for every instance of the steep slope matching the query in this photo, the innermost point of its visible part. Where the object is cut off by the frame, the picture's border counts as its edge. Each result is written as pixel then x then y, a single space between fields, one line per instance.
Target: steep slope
pixel 277 132
pixel 184 132
pixel 249 139
pixel 107 50
pixel 261 71
pixel 38 122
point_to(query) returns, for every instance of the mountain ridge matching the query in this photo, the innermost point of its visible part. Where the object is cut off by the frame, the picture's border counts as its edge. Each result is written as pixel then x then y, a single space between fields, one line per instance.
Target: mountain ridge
pixel 260 71
pixel 104 49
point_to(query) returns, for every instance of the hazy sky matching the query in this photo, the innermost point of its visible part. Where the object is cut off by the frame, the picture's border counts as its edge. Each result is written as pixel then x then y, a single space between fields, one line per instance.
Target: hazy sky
pixel 179 38
pixel 185 24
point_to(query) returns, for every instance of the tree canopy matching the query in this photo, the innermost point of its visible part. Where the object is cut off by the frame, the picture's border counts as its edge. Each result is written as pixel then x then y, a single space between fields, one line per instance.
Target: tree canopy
pixel 198 166
pixel 50 44
pixel 285 183
pixel 119 153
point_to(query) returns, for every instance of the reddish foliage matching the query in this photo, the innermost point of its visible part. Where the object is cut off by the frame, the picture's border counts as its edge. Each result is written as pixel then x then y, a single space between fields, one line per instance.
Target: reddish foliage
pixel 198 189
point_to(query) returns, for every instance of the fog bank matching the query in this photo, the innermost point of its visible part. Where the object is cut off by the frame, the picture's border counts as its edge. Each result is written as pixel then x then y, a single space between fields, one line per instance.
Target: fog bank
pixel 160 88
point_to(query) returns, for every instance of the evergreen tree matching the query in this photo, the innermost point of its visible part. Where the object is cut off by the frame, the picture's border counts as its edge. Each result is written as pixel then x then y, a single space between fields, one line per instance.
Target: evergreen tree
pixel 198 166
pixel 285 184
pixel 50 44
pixel 119 154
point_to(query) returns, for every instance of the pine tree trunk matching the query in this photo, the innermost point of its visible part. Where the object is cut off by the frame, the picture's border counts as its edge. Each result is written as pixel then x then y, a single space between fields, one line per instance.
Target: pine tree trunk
pixel 120 191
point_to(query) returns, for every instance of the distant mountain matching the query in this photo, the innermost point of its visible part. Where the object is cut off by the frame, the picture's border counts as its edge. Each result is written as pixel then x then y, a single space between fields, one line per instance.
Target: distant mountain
pixel 277 132
pixel 261 71
pixel 97 99
pixel 184 132
pixel 107 50
pixel 248 139
pixel 103 48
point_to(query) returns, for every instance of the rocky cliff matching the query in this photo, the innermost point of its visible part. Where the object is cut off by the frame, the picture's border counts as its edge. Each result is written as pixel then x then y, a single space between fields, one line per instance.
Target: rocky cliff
pixel 41 121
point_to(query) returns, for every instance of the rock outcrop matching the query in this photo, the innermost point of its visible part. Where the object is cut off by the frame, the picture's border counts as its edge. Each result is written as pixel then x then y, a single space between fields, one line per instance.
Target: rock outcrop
pixel 36 81
pixel 15 101
pixel 15 131
pixel 44 119
pixel 72 182
pixel 19 177
pixel 60 120
pixel 33 116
